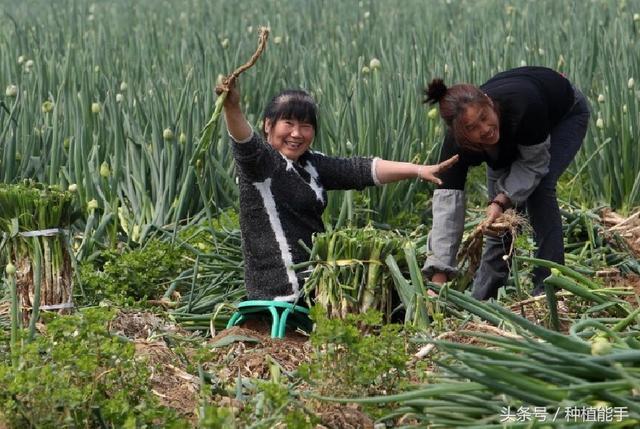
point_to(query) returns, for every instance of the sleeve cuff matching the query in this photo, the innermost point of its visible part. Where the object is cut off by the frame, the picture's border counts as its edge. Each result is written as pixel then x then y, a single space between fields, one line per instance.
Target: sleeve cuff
pixel 247 140
pixel 433 266
pixel 446 232
pixel 374 172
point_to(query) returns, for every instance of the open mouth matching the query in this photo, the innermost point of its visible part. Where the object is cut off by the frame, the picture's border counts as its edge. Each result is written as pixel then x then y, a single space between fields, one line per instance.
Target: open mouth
pixel 293 145
pixel 491 135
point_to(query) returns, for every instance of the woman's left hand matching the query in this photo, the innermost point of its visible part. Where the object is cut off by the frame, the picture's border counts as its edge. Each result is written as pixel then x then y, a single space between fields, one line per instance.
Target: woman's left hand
pixel 494 211
pixel 430 172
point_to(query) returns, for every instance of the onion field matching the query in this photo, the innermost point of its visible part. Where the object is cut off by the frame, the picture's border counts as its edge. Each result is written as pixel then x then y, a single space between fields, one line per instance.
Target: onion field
pixel 121 251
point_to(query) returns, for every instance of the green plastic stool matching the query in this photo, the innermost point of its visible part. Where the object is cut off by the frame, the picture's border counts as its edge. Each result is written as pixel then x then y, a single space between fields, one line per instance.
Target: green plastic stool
pixel 280 312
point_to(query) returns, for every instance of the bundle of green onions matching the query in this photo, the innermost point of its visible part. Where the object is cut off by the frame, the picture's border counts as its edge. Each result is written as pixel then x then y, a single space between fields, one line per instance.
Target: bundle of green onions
pixel 350 274
pixel 215 282
pixel 485 375
pixel 34 246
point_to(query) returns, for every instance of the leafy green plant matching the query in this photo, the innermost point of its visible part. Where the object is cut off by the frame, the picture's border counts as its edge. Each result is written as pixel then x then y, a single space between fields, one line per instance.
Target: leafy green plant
pixel 132 275
pixel 357 355
pixel 215 417
pixel 76 374
pixel 271 404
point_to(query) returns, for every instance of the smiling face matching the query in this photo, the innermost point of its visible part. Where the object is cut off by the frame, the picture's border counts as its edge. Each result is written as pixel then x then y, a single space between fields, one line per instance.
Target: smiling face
pixel 290 137
pixel 290 122
pixel 480 124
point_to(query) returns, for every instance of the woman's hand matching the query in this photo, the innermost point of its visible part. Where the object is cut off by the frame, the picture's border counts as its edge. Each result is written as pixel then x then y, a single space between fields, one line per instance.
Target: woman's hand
pixel 430 172
pixel 494 211
pixel 237 125
pixel 232 99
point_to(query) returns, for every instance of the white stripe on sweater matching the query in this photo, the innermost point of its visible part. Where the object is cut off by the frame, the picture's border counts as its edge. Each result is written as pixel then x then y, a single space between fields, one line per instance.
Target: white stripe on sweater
pixel 314 183
pixel 264 188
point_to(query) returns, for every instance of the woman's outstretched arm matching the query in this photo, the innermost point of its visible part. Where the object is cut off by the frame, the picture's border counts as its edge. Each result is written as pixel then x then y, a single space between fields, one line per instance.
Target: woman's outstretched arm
pixel 393 171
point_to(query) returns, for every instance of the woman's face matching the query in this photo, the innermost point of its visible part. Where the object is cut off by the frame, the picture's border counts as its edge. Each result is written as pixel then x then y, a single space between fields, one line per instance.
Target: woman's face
pixel 481 124
pixel 290 137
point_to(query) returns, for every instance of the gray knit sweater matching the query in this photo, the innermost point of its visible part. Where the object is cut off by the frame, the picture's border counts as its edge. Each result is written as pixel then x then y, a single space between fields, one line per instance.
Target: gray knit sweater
pixel 281 203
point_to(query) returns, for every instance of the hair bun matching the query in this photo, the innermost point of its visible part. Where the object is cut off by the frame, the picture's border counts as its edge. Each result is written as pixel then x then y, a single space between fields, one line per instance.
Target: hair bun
pixel 435 91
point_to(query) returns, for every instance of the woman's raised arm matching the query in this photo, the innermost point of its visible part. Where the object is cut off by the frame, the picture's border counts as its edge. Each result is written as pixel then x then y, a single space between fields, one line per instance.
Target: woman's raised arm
pixel 237 124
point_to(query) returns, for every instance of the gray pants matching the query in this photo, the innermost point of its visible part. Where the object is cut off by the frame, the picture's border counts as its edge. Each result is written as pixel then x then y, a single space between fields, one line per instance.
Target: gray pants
pixel 541 207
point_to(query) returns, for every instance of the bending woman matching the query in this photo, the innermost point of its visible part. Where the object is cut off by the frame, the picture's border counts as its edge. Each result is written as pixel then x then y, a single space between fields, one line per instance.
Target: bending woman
pixel 283 188
pixel 527 125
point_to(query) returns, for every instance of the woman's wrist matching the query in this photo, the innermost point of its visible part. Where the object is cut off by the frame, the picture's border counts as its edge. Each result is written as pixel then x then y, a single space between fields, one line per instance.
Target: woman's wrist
pixel 498 203
pixel 502 201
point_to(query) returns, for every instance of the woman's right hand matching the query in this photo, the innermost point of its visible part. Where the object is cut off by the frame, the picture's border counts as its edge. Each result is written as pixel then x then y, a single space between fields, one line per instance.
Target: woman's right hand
pixel 232 99
pixel 430 172
pixel 237 125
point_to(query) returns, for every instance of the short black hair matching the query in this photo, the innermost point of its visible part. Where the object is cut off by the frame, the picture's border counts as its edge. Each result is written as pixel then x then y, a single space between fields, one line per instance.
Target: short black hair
pixel 292 104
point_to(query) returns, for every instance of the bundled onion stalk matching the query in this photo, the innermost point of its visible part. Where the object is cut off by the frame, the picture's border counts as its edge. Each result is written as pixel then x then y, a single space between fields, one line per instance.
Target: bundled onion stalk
pixel 349 273
pixel 33 219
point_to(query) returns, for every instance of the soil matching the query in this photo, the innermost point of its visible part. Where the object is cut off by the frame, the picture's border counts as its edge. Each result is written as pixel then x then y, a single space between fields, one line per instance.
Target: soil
pixel 536 310
pixel 343 417
pixel 252 358
pixel 142 325
pixel 249 353
pixel 632 281
pixel 172 385
pixel 628 228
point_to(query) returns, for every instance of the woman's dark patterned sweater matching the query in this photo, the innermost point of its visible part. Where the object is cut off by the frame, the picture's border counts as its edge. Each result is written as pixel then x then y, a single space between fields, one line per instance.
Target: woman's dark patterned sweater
pixel 281 203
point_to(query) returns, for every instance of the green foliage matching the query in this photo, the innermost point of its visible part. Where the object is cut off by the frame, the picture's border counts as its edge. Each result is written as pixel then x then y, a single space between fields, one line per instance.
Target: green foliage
pixel 349 275
pixel 35 206
pixel 201 236
pixel 228 219
pixel 271 404
pixel 417 213
pixel 4 346
pixel 214 417
pixel 79 375
pixel 355 356
pixel 132 275
pixel 139 92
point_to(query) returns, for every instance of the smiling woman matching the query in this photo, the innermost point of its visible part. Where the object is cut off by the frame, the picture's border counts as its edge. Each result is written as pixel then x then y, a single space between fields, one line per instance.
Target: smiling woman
pixel 290 123
pixel 526 124
pixel 283 188
pixel 481 124
pixel 290 137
